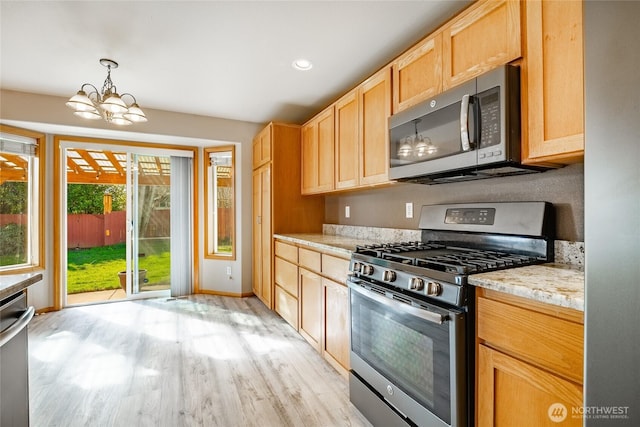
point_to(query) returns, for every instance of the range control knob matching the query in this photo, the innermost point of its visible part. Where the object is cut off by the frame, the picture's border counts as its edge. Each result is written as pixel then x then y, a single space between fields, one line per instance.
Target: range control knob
pixel 389 276
pixel 356 267
pixel 367 270
pixel 434 289
pixel 416 284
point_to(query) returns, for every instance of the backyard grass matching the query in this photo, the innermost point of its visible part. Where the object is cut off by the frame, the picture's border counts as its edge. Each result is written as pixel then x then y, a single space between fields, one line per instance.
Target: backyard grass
pixel 12 260
pixel 96 269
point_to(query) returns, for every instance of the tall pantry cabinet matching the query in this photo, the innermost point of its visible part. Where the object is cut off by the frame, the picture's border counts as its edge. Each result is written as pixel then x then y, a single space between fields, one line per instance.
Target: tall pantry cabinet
pixel 278 206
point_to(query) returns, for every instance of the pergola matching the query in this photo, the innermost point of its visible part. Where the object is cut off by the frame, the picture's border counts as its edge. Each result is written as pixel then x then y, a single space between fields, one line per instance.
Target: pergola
pixel 94 167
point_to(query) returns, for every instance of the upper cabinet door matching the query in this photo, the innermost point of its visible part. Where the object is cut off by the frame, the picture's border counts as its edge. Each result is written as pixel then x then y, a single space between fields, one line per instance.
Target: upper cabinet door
pixel 417 74
pixel 262 147
pixel 554 83
pixel 346 141
pixel 375 109
pixel 318 153
pixel 483 37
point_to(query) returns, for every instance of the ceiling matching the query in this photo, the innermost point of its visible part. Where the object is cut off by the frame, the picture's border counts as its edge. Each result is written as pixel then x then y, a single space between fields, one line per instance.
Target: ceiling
pixel 227 59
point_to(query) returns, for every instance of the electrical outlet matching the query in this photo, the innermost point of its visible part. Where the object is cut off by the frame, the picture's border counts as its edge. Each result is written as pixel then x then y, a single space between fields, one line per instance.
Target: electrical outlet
pixel 408 210
pixel 347 211
pixel 228 271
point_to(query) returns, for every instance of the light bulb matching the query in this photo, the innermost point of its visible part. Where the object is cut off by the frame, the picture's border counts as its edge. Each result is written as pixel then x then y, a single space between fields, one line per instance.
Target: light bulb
pixel 405 149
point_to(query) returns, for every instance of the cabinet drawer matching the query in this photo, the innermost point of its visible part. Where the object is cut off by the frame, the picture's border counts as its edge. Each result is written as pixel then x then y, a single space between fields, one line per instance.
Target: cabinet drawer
pixel 286 306
pixel 286 251
pixel 309 259
pixel 286 276
pixel 335 268
pixel 544 340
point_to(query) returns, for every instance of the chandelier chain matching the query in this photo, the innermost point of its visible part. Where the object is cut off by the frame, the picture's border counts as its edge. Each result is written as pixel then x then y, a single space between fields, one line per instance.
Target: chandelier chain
pixel 108 84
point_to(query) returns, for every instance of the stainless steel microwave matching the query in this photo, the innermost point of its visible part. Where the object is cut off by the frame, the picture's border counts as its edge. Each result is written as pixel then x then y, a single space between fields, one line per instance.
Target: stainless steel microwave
pixel 469 132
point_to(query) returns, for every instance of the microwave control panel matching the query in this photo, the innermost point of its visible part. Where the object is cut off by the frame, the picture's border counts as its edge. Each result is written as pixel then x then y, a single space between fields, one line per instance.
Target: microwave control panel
pixel 489 106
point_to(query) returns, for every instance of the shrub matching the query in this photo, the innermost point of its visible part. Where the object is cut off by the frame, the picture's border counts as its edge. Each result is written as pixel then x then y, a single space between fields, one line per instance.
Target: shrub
pixel 13 241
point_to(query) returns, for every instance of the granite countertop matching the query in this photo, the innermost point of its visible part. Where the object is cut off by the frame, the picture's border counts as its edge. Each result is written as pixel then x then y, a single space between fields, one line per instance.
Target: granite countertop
pixel 552 283
pixel 326 242
pixel 558 284
pixel 13 283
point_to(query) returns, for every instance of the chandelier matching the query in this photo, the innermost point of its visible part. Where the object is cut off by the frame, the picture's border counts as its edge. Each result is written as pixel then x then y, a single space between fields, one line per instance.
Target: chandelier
pixel 106 104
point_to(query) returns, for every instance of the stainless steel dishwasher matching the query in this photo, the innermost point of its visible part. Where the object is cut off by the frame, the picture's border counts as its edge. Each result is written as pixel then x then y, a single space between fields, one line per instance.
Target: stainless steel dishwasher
pixel 14 361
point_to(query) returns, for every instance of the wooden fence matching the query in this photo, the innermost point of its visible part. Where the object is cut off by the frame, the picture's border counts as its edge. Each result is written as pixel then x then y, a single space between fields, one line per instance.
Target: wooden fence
pixel 13 219
pixel 89 230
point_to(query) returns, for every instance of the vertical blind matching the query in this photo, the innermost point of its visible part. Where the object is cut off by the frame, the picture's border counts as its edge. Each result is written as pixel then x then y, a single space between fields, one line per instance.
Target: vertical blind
pixel 181 227
pixel 17 144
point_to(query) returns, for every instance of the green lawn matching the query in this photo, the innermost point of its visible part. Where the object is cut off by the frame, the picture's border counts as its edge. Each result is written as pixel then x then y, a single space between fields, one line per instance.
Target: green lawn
pixel 96 269
pixel 12 260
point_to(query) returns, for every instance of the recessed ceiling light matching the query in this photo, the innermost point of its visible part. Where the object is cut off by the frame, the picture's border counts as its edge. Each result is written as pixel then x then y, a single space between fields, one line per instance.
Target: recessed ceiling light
pixel 302 64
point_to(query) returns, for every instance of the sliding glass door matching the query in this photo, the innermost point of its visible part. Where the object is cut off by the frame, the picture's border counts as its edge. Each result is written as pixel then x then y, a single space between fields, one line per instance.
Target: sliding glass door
pixel 122 210
pixel 150 231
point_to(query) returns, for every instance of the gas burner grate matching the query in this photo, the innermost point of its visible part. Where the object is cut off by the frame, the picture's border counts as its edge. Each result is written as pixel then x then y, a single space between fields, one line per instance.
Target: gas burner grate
pixel 379 250
pixel 444 258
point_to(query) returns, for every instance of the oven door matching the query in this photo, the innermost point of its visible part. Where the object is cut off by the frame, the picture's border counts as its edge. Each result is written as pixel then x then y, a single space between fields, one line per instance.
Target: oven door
pixel 411 354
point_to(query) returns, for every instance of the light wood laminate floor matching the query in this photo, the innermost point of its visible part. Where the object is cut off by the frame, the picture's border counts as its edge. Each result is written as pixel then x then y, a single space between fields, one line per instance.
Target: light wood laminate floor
pixel 197 361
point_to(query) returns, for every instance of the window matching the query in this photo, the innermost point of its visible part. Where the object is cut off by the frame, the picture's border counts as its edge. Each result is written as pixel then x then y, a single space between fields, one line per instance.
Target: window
pixel 21 199
pixel 219 187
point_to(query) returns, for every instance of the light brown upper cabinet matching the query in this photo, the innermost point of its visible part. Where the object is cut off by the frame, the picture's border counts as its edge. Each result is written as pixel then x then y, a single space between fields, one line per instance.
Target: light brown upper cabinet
pixel 362 133
pixel 374 96
pixel 484 36
pixel 318 153
pixel 552 79
pixel 417 74
pixel 346 141
pixel 262 147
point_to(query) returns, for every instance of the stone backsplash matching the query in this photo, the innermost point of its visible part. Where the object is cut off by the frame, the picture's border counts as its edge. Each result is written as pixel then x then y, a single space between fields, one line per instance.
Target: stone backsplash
pixel 566 252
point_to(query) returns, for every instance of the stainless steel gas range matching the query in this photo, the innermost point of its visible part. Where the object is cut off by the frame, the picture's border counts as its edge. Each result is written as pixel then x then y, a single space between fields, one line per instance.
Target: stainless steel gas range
pixel 412 310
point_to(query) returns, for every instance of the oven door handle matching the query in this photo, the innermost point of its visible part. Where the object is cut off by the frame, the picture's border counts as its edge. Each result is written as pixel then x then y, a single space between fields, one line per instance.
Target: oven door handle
pixel 422 313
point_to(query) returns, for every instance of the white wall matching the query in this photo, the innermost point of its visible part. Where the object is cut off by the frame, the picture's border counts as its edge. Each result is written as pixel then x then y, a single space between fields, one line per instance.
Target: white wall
pixel 48 114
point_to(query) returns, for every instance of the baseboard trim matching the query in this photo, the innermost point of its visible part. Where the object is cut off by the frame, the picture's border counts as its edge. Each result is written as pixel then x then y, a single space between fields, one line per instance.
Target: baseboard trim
pixel 225 294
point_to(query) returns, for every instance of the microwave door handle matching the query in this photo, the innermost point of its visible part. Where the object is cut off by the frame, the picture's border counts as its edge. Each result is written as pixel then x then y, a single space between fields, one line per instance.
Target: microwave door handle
pixel 464 123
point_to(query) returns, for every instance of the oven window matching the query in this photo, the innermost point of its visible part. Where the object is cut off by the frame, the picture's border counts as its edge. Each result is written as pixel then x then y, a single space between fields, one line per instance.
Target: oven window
pixel 409 351
pixel 412 351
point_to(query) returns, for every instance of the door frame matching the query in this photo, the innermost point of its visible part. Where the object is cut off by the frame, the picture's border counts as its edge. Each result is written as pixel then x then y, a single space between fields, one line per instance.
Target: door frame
pixel 59 224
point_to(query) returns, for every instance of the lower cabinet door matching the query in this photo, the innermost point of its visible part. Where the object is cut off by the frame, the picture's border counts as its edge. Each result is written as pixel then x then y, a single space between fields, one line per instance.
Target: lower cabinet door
pixel 512 392
pixel 311 307
pixel 336 324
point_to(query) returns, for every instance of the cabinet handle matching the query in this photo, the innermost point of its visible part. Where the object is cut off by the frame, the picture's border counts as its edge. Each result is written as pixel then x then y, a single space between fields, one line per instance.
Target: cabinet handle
pixel 259 219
